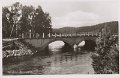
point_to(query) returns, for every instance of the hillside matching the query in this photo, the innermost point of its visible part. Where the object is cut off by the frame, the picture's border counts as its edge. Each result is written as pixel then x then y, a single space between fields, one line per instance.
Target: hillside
pixel 112 25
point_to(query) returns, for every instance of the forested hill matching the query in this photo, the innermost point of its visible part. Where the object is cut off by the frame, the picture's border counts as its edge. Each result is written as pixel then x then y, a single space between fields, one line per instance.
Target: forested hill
pixel 112 25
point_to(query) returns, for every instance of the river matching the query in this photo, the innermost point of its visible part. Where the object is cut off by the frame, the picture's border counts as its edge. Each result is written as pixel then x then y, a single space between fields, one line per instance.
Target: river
pixel 54 64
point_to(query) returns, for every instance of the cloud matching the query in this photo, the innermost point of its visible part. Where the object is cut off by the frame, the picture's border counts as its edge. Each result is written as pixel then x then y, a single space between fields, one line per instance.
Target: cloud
pixel 75 13
pixel 77 18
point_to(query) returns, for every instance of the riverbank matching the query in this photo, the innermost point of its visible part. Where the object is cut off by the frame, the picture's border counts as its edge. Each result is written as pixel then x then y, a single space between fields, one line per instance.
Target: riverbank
pixel 21 50
pixel 16 51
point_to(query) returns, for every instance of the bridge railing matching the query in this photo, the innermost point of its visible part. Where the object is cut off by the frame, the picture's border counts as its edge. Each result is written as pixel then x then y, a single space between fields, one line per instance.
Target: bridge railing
pixel 55 35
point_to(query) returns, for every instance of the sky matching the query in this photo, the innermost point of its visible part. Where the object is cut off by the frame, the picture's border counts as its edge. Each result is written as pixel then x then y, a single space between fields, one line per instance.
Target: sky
pixel 75 13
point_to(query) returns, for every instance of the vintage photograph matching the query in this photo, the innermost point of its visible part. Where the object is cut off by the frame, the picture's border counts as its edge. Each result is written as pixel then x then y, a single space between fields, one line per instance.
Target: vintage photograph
pixel 60 37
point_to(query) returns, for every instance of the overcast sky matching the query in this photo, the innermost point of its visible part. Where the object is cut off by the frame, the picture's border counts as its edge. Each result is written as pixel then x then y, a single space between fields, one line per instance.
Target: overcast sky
pixel 75 13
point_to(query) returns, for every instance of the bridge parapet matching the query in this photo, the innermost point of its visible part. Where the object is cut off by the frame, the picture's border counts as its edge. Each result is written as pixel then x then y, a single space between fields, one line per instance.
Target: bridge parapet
pixel 55 35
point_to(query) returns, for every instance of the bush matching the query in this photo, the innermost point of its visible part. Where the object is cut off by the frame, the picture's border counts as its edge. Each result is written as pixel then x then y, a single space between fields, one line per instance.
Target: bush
pixel 106 56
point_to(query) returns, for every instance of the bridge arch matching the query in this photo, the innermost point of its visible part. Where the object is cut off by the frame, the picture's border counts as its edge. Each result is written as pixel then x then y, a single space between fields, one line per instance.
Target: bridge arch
pixel 90 45
pixel 53 40
pixel 65 48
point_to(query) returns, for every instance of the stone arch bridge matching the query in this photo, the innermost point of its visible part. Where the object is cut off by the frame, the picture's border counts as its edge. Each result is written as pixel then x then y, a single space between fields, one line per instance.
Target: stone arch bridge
pixel 42 43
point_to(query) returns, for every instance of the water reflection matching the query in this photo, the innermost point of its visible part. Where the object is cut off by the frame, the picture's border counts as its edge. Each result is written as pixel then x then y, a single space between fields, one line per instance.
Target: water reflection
pixel 69 64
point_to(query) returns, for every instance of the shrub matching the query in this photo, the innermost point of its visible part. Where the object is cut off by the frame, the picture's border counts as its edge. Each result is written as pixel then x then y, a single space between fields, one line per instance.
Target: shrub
pixel 106 56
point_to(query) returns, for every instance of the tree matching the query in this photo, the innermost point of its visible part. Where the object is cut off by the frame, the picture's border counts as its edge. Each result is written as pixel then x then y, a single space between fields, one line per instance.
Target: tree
pixel 42 22
pixel 13 16
pixel 25 21
pixel 18 19
pixel 106 56
pixel 39 17
pixel 47 24
pixel 5 23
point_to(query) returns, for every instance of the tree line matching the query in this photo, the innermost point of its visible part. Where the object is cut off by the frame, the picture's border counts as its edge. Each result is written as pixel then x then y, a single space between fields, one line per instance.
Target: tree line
pixel 18 19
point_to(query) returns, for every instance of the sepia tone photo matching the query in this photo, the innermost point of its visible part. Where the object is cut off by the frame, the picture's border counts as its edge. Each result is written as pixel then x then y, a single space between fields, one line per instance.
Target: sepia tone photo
pixel 57 37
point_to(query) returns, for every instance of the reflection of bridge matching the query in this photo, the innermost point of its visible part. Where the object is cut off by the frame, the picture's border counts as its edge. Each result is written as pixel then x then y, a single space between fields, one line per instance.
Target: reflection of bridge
pixel 70 39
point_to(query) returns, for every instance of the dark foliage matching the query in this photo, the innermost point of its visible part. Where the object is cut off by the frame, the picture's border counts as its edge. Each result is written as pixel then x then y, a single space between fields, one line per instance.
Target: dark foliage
pixel 25 19
pixel 106 56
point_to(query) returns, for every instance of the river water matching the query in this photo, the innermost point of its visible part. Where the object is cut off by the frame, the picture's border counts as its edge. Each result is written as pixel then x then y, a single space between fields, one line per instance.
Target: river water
pixel 56 63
